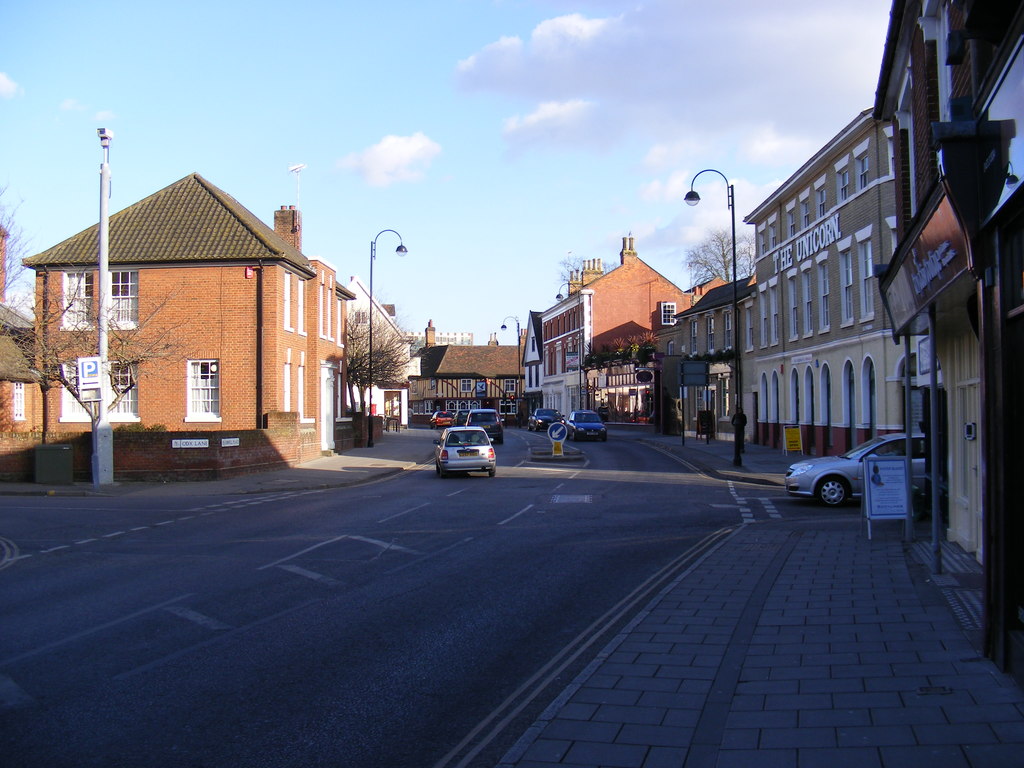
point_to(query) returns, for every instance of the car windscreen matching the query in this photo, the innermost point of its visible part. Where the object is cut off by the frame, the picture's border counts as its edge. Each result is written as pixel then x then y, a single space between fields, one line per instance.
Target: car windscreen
pixel 587 417
pixel 482 418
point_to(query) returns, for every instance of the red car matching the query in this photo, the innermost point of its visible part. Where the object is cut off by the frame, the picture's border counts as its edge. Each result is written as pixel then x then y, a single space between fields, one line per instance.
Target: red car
pixel 442 419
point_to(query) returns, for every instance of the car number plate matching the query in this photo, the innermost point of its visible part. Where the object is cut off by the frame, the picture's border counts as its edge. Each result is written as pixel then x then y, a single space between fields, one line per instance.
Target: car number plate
pixel 468 452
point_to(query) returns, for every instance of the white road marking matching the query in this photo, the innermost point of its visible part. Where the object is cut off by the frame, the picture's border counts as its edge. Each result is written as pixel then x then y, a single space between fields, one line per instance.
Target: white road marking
pixel 517 514
pixel 12 696
pixel 300 553
pixel 406 512
pixel 311 575
pixel 198 618
pixel 385 545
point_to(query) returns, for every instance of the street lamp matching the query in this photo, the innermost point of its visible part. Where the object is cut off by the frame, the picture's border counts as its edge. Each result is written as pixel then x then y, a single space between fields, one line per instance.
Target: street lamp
pixel 519 358
pixel 401 250
pixel 692 198
pixel 102 434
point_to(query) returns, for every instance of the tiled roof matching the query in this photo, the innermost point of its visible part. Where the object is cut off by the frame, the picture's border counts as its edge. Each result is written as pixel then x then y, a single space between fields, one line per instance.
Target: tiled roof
pixel 189 221
pixel 720 297
pixel 457 361
pixel 13 366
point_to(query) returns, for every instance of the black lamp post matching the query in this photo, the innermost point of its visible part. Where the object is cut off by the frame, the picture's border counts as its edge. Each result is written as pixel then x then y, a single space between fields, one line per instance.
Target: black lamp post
pixel 401 250
pixel 692 198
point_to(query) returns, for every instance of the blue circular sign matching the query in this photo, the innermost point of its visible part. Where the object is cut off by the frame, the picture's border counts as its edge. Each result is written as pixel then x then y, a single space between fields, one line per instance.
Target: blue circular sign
pixel 557 431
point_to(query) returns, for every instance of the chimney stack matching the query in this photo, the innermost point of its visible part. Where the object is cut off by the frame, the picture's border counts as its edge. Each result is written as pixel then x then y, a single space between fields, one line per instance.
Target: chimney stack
pixel 430 335
pixel 627 253
pixel 288 224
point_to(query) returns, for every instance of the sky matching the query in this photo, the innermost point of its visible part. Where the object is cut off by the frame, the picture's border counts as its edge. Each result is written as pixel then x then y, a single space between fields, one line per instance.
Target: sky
pixel 499 138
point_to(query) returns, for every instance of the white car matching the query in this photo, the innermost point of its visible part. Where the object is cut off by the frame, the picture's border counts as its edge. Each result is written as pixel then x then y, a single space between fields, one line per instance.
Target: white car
pixel 464 449
pixel 834 480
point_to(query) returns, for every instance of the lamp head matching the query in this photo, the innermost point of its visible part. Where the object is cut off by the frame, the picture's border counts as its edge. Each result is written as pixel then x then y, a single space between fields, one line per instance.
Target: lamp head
pixel 504 327
pixel 559 296
pixel 401 250
pixel 692 198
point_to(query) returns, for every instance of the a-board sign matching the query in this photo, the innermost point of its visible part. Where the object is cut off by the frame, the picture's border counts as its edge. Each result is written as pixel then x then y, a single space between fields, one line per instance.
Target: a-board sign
pixel 885 489
pixel 792 438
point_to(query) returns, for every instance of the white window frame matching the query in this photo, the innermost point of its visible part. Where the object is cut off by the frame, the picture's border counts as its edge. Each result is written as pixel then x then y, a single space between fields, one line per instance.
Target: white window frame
pixel 465 385
pixel 693 336
pixel 202 395
pixel 668 311
pixel 286 304
pixel 710 334
pixel 510 386
pixel 124 299
pixel 71 410
pixel 842 184
pixel 805 213
pixel 79 293
pixel 794 306
pixel 727 327
pixel 300 307
pixel 808 291
pixel 773 310
pixel 18 401
pixel 824 289
pixel 863 171
pixel 822 202
pixel 846 285
pixel 865 259
pixel 762 306
pixel 128 409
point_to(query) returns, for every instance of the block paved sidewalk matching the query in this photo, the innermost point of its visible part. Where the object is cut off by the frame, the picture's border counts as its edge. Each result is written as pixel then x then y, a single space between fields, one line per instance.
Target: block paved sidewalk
pixel 796 645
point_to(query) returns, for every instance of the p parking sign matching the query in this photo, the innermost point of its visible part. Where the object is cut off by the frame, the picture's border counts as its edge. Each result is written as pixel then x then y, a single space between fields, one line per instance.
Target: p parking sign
pixel 88 372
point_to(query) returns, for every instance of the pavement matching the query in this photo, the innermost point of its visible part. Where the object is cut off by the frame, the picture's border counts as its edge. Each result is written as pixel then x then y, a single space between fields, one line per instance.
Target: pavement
pixel 795 642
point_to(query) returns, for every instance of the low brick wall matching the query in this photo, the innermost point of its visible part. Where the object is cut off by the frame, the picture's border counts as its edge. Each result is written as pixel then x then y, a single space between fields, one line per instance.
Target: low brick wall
pixel 176 456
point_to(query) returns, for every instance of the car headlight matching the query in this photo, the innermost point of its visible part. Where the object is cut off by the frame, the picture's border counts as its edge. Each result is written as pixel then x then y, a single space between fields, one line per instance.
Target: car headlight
pixel 798 469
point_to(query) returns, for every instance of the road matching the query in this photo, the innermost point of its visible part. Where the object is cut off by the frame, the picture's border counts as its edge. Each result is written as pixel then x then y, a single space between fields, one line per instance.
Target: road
pixel 419 621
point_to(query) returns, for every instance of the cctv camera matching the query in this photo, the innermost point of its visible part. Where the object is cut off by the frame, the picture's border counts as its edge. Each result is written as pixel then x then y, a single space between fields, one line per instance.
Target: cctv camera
pixel 105 135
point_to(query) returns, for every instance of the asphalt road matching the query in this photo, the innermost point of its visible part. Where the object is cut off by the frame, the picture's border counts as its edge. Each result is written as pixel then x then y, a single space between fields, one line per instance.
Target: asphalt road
pixel 419 621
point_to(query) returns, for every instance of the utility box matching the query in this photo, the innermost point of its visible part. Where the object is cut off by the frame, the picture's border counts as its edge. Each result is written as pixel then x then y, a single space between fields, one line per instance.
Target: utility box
pixel 55 464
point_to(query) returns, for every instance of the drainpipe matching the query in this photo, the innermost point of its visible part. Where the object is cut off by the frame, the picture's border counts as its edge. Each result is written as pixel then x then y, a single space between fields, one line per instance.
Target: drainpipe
pixel 259 346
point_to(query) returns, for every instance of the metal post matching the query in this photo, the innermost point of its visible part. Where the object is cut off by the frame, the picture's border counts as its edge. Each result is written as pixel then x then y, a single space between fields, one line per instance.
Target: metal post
pixel 401 249
pixel 933 448
pixel 102 434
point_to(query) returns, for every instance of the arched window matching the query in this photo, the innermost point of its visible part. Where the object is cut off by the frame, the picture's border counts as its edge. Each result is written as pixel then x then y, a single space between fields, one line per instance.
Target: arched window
pixel 794 397
pixel 849 401
pixel 775 397
pixel 869 395
pixel 826 404
pixel 762 406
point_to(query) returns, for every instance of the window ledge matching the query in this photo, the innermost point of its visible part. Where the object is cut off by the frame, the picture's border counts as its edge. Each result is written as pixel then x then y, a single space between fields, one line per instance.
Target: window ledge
pixel 202 419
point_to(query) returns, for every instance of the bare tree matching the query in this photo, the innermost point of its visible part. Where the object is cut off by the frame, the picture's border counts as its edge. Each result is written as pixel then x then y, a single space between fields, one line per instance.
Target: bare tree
pixel 11 248
pixel 712 257
pixel 390 355
pixel 62 334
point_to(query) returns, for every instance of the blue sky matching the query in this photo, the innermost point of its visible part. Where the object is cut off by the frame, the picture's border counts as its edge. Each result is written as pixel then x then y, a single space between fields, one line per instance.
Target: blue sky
pixel 497 136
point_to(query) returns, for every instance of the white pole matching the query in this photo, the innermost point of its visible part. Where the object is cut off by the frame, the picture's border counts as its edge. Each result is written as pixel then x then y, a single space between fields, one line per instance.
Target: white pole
pixel 102 434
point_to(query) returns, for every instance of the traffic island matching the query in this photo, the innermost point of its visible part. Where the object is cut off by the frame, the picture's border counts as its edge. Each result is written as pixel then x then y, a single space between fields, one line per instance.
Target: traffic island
pixel 546 454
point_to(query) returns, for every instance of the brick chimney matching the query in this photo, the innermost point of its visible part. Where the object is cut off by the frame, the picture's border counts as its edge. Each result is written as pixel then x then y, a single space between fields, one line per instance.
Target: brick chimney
pixel 627 253
pixel 430 335
pixel 493 341
pixel 288 224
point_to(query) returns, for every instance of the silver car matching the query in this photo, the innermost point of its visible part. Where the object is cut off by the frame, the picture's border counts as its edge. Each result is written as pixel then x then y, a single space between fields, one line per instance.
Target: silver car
pixel 834 480
pixel 464 449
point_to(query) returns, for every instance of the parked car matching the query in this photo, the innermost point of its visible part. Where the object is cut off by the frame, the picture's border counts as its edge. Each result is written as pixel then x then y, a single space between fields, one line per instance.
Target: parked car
pixel 442 419
pixel 489 420
pixel 460 418
pixel 834 480
pixel 583 425
pixel 542 418
pixel 464 449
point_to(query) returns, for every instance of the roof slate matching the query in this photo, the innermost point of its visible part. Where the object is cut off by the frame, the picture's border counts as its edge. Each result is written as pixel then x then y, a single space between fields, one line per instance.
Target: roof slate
pixel 720 297
pixel 456 361
pixel 189 221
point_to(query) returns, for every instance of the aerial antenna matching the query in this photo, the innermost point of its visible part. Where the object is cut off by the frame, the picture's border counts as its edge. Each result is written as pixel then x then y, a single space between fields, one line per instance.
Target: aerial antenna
pixel 297 169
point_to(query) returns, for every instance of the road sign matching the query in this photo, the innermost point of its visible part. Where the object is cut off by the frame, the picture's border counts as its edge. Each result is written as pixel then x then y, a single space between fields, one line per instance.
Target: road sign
pixel 88 372
pixel 693 373
pixel 557 432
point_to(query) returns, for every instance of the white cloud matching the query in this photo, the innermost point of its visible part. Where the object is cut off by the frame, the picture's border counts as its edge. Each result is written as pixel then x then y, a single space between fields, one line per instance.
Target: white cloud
pixel 552 122
pixel 664 69
pixel 393 159
pixel 71 105
pixel 8 88
pixel 104 116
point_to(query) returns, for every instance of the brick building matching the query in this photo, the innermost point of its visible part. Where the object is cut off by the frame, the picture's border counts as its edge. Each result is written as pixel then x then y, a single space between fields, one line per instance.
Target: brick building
pixel 458 377
pixel 218 322
pixel 607 317
pixel 821 356
pixel 951 80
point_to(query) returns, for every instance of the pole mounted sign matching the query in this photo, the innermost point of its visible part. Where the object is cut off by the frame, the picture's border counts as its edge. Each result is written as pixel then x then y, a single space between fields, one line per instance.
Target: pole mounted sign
pixel 90 371
pixel 557 433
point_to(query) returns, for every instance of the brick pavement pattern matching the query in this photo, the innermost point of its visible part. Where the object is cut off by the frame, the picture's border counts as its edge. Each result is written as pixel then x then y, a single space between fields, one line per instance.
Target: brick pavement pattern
pixel 787 646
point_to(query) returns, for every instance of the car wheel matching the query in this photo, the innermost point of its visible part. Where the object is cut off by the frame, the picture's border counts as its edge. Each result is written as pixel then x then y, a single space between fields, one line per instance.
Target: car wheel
pixel 437 468
pixel 604 438
pixel 833 491
pixel 492 472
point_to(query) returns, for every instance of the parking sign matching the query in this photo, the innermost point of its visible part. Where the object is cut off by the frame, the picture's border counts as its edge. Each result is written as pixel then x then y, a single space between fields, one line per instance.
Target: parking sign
pixel 88 372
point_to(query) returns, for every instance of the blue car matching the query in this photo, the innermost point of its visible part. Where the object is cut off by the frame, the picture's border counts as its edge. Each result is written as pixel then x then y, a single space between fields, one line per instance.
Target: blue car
pixel 586 425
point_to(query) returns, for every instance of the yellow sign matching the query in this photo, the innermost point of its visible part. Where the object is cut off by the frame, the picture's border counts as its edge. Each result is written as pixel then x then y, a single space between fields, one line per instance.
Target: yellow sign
pixel 792 438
